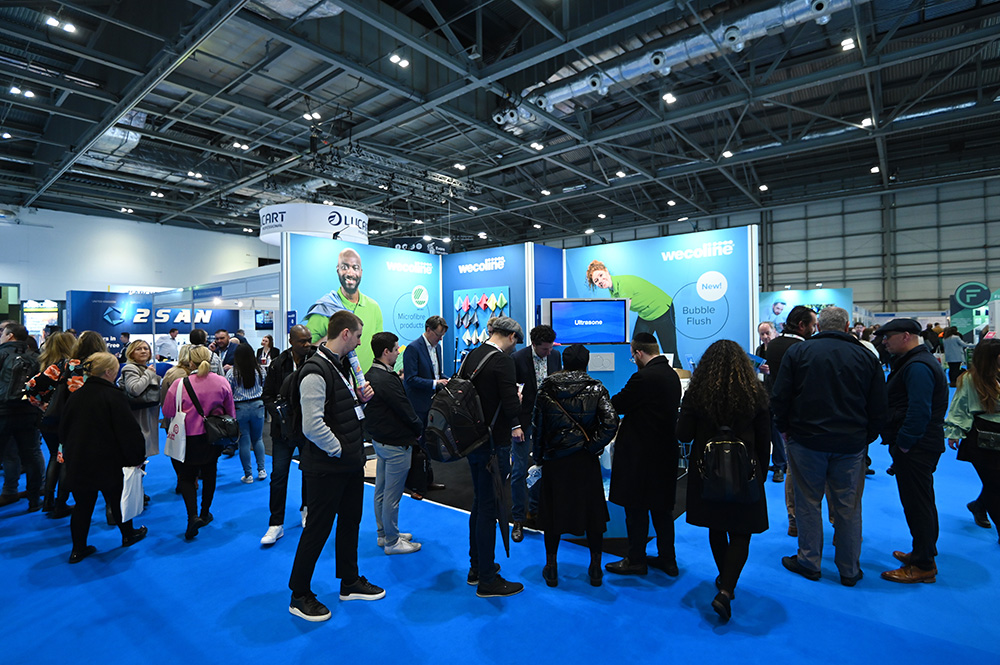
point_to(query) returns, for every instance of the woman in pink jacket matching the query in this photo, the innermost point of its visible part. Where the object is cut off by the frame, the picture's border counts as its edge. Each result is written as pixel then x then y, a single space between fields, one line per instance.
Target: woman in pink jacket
pixel 201 457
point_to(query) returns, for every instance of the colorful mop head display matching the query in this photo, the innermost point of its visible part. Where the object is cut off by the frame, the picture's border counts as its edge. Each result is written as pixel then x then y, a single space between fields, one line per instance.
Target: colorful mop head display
pixel 467 337
pixel 465 304
pixel 492 302
pixel 483 302
pixel 501 302
pixel 458 304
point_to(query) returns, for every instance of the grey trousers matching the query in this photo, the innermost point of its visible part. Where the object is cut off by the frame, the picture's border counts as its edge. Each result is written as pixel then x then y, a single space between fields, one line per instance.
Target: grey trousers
pixel 842 476
pixel 391 467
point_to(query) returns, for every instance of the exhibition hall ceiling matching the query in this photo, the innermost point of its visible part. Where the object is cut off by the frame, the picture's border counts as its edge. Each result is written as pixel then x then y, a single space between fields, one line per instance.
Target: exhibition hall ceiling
pixel 489 122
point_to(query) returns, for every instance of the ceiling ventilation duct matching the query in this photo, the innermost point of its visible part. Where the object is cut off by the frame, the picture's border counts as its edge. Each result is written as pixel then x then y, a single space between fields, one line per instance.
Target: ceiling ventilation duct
pixel 732 30
pixel 296 9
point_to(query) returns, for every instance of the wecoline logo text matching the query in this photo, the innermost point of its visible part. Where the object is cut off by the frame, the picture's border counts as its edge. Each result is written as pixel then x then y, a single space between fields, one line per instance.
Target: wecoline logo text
pixel 707 250
pixel 417 267
pixel 492 263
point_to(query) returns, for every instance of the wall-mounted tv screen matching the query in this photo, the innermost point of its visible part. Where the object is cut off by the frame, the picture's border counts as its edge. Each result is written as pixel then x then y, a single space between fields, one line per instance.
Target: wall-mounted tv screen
pixel 263 319
pixel 585 321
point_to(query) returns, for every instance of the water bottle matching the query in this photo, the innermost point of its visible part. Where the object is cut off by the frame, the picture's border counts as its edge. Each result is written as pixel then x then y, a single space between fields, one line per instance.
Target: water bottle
pixel 534 474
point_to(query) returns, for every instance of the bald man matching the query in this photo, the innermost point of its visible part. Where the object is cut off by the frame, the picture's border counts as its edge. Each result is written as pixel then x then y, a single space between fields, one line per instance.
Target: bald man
pixel 348 297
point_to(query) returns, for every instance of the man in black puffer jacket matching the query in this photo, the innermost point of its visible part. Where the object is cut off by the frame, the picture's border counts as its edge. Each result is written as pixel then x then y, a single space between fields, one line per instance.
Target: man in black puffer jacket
pixel 332 463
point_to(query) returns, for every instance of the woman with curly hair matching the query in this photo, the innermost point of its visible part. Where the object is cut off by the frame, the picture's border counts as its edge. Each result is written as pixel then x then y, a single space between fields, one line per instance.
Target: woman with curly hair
pixel 651 303
pixel 724 392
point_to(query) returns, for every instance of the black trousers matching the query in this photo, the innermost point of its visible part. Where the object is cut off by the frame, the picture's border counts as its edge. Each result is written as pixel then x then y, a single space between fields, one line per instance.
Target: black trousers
pixel 187 477
pixel 665 329
pixel 990 496
pixel 329 496
pixel 86 499
pixel 282 451
pixel 637 525
pixel 485 508
pixel 915 482
pixel 55 472
pixel 954 370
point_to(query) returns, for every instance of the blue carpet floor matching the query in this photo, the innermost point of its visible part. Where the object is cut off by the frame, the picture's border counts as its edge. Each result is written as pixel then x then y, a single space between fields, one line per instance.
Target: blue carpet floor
pixel 223 598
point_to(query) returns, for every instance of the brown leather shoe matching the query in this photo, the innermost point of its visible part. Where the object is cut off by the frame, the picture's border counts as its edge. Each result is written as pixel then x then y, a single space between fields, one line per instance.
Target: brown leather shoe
pixel 902 557
pixel 911 575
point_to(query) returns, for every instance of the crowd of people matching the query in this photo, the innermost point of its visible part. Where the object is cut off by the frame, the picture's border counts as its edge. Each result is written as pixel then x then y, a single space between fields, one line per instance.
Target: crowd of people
pixel 823 400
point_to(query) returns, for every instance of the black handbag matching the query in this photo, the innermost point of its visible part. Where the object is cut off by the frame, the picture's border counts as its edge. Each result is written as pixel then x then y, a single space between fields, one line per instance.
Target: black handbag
pixel 728 470
pixel 218 429
pixel 988 440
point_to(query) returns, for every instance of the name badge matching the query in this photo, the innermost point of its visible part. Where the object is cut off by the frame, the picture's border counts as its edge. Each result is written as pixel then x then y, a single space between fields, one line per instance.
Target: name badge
pixel 359 410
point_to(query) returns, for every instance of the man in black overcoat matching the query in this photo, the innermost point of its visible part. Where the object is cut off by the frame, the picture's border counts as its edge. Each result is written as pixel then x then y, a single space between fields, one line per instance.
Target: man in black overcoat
pixel 644 462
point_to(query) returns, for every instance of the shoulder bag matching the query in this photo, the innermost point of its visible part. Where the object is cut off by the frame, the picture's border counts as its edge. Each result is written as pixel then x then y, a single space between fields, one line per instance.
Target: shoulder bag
pixel 218 429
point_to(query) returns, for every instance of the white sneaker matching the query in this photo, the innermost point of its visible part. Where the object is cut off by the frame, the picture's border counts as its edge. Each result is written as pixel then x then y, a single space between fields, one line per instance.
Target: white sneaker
pixel 247 479
pixel 401 547
pixel 262 474
pixel 304 511
pixel 272 535
pixel 402 536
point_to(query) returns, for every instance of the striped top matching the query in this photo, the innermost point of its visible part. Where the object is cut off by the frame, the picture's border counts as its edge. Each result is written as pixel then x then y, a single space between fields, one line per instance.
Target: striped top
pixel 241 394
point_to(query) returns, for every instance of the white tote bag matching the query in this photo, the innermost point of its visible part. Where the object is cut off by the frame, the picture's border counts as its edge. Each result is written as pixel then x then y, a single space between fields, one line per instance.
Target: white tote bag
pixel 132 494
pixel 177 436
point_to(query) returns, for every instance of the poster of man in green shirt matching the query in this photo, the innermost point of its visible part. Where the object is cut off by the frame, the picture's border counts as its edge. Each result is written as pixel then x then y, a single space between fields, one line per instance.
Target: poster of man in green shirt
pixel 348 297
pixel 652 305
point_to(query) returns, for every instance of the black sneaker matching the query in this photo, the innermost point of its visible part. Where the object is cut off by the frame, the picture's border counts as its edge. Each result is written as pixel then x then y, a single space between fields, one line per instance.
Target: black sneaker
pixel 134 537
pixel 361 589
pixel 498 588
pixel 308 608
pixel 473 578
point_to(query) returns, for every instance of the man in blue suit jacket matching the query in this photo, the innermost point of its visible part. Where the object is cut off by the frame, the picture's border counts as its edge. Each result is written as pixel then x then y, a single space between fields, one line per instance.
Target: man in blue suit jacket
pixel 423 374
pixel 532 365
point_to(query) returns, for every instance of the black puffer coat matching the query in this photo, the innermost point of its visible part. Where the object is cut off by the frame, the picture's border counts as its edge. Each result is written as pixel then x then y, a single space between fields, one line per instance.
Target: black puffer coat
pixel 554 434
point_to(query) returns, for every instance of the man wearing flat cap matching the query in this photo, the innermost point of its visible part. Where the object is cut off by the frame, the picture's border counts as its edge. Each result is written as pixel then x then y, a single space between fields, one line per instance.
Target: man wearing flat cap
pixel 491 370
pixel 644 462
pixel 918 401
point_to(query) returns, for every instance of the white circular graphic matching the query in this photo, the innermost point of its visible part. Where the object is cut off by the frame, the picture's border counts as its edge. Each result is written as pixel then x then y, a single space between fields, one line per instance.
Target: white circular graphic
pixel 712 285
pixel 419 296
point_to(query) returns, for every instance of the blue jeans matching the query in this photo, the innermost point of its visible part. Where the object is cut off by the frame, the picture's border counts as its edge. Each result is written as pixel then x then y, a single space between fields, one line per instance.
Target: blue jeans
pixel 250 416
pixel 778 458
pixel 483 518
pixel 391 468
pixel 522 499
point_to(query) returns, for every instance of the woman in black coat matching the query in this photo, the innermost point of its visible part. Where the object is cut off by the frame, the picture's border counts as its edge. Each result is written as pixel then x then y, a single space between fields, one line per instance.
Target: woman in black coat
pixel 99 436
pixel 725 392
pixel 572 422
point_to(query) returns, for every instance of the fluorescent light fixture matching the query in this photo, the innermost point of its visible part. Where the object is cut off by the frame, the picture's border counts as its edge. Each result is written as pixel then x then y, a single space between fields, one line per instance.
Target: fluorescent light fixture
pixel 473 208
pixel 394 59
pixel 29 94
pixel 867 122
pixel 589 231
pixel 682 219
pixel 537 226
pixel 847 44
pixel 671 203
pixel 545 192
pixel 404 63
pixel 727 154
pixel 460 167
pixel 620 174
pixel 69 27
pixel 427 238
pixel 53 21
pixel 601 215
pixel 875 169
pixel 669 98
pixel 446 240
pixel 762 188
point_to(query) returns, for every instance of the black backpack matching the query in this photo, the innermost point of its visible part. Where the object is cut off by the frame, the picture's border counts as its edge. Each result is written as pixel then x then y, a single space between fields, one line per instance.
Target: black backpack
pixel 728 470
pixel 455 423
pixel 287 407
pixel 17 369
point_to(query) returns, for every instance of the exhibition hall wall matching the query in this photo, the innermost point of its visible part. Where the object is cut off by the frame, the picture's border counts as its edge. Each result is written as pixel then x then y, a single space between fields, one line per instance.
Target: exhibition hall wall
pixel 50 253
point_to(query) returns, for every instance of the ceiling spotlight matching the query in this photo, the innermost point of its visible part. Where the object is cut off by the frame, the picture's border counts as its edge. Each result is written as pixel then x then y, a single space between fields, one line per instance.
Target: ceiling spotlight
pixel 460 167
pixel 239 303
pixel 482 235
pixel 53 21
pixel 727 154
pixel 788 286
pixel 216 301
pixel 315 116
pixel 589 231
pixel 14 90
pixel 244 147
pixel 819 284
pixel 847 44
pixel 404 63
pixel 682 219
pixel 69 27
pixel 669 98
pixel 418 221
pixel 537 226
pixel 537 146
pixel 126 210
pixel 394 59
pixel 545 192
pixel 763 188
pixel 620 174
pixel 875 169
pixel 236 144
pixel 601 215
pixel 427 238
pixel 29 94
pixel 307 116
pixel 373 232
pixel 867 122
pixel 156 195
pixel 198 176
pixel 671 203
pixel 6 135
pixel 446 240
pixel 473 208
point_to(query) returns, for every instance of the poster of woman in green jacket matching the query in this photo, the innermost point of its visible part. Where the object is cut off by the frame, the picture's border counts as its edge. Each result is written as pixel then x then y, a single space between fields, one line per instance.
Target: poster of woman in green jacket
pixel 652 305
